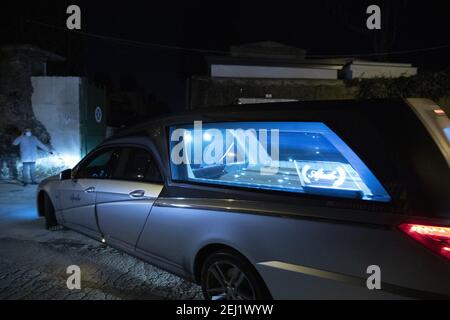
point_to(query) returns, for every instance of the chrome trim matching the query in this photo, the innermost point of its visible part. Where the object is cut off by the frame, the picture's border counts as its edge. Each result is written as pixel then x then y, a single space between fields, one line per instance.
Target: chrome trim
pixel 353 280
pixel 379 220
pixel 315 272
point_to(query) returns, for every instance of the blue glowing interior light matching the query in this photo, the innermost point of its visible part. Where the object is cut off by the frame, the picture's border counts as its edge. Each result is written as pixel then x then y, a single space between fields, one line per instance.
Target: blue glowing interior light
pixel 303 157
pixel 447 133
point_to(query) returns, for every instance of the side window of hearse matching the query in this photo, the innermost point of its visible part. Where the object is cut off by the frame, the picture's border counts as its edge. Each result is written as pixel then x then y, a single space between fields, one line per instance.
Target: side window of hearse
pixel 302 157
pixel 99 166
pixel 137 165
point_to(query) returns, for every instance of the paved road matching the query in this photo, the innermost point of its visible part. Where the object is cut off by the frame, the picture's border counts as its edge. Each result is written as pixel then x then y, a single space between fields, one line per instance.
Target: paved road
pixel 33 261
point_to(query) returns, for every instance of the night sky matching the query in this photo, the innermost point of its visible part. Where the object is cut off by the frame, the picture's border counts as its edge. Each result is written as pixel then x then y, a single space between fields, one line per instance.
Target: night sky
pixel 321 27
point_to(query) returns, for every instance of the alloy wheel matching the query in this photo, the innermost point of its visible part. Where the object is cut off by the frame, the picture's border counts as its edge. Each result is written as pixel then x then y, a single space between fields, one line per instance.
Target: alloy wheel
pixel 226 281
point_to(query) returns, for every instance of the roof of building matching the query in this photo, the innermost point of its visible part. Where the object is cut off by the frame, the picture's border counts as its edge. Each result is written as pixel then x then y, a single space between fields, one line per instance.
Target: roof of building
pixel 270 53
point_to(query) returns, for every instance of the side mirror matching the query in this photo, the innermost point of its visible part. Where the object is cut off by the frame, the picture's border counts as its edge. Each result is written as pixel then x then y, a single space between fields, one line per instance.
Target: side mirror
pixel 66 174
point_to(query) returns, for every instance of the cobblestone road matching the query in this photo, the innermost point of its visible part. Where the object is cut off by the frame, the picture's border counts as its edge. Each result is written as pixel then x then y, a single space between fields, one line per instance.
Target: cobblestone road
pixel 33 261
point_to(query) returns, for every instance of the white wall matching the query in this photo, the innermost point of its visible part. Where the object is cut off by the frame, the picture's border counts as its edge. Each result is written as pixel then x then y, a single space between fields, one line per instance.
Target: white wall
pixel 365 71
pixel 269 72
pixel 56 104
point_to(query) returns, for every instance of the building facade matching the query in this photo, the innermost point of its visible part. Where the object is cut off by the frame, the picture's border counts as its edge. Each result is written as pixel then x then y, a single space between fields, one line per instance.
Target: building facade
pixel 269 71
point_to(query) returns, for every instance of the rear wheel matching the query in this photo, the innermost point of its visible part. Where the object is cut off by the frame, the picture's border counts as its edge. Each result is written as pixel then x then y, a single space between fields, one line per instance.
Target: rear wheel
pixel 227 275
pixel 49 213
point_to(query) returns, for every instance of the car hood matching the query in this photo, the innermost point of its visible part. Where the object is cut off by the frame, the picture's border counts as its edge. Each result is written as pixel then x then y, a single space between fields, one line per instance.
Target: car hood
pixel 52 178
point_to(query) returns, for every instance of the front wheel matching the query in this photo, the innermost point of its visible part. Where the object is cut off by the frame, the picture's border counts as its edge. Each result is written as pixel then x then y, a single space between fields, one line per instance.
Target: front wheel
pixel 226 275
pixel 49 213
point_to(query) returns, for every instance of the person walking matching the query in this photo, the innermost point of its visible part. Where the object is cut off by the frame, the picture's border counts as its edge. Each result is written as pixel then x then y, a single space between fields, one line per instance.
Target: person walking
pixel 28 154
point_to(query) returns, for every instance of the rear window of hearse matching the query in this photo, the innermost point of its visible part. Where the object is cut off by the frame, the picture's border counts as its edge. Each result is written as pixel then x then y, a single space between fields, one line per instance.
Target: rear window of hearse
pixel 302 157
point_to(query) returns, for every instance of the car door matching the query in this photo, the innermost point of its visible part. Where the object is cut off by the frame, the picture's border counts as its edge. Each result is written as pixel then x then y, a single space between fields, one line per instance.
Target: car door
pixel 78 195
pixel 124 201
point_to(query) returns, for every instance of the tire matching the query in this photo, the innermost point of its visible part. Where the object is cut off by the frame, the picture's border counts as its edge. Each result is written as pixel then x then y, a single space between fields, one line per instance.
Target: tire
pixel 49 213
pixel 226 275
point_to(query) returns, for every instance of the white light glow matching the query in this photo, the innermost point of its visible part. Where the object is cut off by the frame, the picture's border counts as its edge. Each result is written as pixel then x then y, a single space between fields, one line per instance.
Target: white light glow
pixel 70 160
pixel 59 161
pixel 207 136
pixel 187 137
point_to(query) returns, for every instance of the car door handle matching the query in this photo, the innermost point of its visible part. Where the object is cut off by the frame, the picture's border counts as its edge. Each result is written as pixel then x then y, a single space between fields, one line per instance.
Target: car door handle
pixel 137 193
pixel 89 190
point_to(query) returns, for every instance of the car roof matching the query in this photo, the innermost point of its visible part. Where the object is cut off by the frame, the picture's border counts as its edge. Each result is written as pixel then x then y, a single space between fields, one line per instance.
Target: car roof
pixel 274 111
pixel 386 135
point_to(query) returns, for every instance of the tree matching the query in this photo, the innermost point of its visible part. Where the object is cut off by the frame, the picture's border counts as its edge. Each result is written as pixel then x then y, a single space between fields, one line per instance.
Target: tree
pixel 15 92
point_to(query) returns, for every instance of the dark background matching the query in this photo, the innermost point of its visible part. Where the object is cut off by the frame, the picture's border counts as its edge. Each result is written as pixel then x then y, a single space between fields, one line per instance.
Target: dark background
pixel 322 27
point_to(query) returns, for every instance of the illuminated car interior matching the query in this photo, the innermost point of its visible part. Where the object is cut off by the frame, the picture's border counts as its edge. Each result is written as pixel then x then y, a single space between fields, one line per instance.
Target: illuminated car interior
pixel 310 159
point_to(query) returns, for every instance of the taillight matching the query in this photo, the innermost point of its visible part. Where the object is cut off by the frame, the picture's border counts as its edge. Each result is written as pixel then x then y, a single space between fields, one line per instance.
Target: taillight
pixel 433 237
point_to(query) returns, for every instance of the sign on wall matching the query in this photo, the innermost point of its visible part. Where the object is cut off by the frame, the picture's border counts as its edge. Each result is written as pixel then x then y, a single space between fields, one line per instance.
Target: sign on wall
pixel 98 114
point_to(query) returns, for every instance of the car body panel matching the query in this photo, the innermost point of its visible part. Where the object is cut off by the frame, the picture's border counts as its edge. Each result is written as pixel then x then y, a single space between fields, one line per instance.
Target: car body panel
pixel 304 247
pixel 77 202
pixel 121 216
pixel 324 245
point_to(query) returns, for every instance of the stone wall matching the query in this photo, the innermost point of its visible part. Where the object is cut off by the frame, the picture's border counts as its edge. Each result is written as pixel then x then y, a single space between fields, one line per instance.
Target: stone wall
pixel 15 94
pixel 16 111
